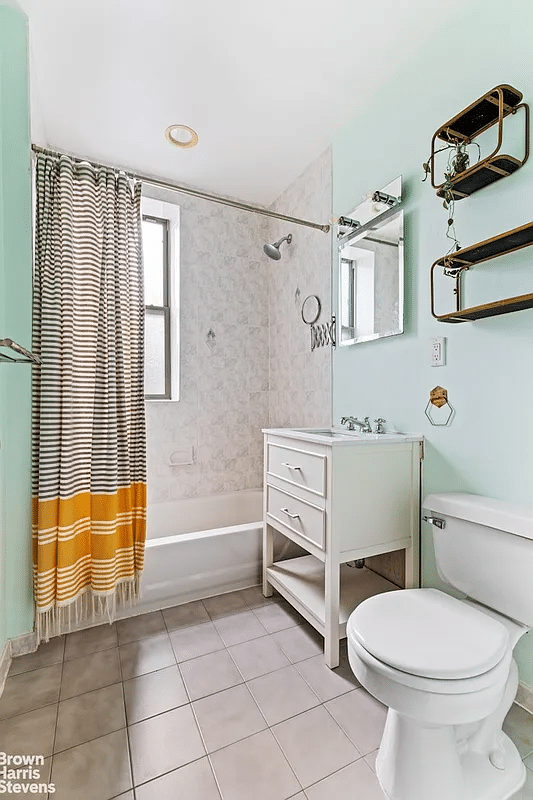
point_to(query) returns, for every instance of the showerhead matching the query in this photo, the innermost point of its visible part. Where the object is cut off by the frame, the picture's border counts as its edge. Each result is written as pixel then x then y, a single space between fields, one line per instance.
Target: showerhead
pixel 273 251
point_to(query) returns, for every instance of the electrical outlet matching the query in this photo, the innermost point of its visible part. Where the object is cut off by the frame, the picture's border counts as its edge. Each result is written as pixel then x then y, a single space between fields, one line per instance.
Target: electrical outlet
pixel 438 351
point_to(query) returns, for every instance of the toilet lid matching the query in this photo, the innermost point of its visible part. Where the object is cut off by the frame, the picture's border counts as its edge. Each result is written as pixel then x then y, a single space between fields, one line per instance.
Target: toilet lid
pixel 428 633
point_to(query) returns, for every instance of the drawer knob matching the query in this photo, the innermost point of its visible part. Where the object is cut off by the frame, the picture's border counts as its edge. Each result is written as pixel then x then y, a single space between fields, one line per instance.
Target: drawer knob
pixel 289 466
pixel 288 513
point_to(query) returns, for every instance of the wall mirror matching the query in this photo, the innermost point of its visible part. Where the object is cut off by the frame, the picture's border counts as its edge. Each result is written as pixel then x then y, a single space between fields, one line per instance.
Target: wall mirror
pixel 370 268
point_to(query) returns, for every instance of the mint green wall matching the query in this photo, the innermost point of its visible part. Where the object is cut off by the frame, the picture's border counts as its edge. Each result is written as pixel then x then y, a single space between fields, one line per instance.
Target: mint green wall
pixel 488 449
pixel 16 603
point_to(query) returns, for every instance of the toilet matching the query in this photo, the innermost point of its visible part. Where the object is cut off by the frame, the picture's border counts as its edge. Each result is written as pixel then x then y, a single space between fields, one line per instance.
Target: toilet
pixel 444 666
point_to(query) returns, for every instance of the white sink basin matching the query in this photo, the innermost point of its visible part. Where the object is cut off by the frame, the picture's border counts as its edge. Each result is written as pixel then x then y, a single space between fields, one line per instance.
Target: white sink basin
pixel 342 436
pixel 325 431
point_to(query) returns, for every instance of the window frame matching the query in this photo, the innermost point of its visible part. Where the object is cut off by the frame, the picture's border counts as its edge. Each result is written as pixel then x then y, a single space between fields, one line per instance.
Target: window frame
pixel 352 277
pixel 161 211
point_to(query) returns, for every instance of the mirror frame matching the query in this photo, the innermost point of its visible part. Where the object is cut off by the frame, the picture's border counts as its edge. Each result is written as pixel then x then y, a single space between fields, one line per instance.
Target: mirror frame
pixel 358 234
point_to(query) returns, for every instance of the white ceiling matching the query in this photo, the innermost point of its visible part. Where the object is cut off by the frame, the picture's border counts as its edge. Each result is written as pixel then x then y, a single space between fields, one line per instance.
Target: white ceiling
pixel 265 84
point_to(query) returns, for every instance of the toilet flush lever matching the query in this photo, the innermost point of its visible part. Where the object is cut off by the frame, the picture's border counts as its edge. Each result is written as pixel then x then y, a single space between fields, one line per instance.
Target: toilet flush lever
pixel 439 523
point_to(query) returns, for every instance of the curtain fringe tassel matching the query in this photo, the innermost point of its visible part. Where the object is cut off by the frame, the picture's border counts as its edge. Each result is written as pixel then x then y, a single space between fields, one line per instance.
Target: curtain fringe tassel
pixel 88 608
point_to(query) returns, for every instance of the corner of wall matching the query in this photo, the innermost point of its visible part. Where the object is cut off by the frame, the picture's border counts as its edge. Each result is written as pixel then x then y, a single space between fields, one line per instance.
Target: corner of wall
pixel 16 600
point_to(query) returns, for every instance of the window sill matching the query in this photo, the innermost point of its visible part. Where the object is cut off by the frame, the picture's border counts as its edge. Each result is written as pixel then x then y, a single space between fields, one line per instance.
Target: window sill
pixel 161 400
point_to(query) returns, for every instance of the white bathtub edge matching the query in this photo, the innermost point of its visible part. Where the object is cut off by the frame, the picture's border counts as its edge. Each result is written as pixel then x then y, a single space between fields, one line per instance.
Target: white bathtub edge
pixel 196 535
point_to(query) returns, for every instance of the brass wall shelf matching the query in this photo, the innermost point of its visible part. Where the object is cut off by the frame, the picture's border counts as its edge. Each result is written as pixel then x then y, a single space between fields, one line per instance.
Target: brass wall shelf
pixel 456 263
pixel 490 109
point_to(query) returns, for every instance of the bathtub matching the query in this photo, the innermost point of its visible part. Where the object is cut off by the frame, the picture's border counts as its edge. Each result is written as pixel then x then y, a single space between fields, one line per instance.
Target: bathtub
pixel 199 547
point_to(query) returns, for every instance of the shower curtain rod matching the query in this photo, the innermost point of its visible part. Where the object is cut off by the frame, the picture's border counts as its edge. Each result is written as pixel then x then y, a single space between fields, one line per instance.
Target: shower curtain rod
pixel 187 190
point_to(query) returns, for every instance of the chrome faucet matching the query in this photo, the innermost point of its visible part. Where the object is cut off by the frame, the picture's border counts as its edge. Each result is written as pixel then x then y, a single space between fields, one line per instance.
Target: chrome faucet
pixel 351 422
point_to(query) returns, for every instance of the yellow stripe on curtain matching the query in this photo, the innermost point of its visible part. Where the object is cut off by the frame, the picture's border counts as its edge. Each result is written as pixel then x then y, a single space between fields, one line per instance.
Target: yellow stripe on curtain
pixel 91 541
pixel 89 439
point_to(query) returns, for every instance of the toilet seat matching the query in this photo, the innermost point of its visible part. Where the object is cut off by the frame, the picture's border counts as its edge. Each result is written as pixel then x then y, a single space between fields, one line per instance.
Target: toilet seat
pixel 434 686
pixel 428 634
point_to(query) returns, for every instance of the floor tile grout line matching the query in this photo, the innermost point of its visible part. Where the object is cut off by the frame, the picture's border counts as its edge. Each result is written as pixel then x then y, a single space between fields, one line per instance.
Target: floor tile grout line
pixel 189 625
pixel 35 669
pixel 92 653
pixel 286 759
pixel 320 701
pixel 236 665
pixel 94 738
pixel 185 660
pixel 128 743
pixel 198 726
pixel 168 772
pixel 346 691
pixel 227 646
pixel 207 754
pixel 105 686
pixel 244 612
pixel 161 634
pixel 342 727
pixel 304 788
pixel 28 711
pixel 184 682
pixel 267 726
pixel 99 649
pixel 57 716
pixel 219 787
pixel 278 630
pixel 137 617
pixel 335 771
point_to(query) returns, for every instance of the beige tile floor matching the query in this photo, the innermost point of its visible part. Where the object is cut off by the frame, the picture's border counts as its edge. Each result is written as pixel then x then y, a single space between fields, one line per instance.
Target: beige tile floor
pixel 226 698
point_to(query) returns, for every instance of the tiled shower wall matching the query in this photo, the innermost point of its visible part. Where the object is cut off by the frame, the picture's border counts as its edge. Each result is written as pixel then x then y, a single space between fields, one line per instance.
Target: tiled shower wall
pixel 259 357
pixel 224 374
pixel 300 380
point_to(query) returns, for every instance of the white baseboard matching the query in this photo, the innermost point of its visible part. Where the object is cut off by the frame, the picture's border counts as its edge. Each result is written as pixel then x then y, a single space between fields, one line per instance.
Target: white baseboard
pixel 21 645
pixel 524 697
pixel 5 663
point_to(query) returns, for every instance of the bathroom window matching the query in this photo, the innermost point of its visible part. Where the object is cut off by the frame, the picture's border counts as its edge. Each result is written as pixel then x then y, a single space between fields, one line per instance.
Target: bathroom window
pixel 160 227
pixel 348 294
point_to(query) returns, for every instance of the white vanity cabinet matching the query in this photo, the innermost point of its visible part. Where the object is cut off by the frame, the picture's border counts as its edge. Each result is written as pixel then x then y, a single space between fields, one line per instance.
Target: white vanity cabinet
pixel 341 498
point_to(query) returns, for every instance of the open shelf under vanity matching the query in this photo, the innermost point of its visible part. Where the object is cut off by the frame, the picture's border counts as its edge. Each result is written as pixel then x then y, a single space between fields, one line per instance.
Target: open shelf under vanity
pixel 301 581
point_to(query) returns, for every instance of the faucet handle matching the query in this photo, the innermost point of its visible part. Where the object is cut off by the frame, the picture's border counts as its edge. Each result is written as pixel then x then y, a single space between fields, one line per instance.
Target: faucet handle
pixel 379 425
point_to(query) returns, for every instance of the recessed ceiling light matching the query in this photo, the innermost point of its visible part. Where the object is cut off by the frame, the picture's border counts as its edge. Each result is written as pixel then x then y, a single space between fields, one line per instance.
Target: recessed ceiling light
pixel 181 135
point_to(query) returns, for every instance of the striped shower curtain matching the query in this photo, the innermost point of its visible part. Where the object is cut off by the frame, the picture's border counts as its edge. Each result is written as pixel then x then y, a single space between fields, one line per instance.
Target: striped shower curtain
pixel 89 442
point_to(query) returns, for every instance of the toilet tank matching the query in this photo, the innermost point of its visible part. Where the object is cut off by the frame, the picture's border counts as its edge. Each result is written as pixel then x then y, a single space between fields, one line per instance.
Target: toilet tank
pixel 485 550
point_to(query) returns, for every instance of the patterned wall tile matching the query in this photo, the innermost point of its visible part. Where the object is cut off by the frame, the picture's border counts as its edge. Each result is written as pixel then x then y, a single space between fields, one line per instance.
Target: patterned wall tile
pixel 245 361
pixel 300 380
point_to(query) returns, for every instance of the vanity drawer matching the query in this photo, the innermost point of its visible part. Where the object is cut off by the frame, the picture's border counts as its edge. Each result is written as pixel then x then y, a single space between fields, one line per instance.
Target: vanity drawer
pixel 298 467
pixel 304 519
